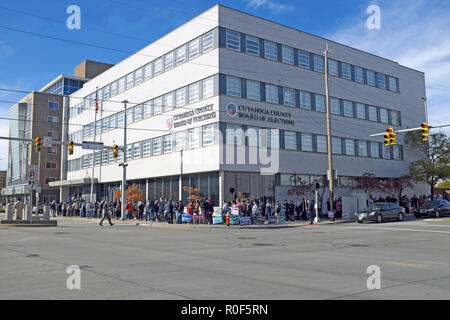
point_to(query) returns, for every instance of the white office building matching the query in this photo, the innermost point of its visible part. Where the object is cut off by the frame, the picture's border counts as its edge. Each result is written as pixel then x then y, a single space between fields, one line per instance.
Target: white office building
pixel 233 101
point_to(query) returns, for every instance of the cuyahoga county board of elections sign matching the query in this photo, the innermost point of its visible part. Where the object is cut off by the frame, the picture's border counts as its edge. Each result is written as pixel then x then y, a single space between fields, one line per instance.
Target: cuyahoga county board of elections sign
pixel 259 114
pixel 194 116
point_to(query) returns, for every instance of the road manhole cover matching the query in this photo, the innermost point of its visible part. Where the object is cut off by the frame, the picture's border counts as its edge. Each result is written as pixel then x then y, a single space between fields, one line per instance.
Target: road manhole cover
pixel 63 233
pixel 267 244
pixel 32 256
pixel 359 245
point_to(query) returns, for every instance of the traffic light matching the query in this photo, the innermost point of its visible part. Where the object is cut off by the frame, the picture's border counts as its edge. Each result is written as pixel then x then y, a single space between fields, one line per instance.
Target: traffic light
pixel 38 145
pixel 115 151
pixel 390 138
pixel 425 135
pixel 70 145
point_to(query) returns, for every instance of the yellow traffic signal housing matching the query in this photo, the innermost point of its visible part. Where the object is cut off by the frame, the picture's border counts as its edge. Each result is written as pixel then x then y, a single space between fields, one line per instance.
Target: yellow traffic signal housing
pixel 425 133
pixel 70 145
pixel 37 145
pixel 115 151
pixel 393 138
pixel 389 137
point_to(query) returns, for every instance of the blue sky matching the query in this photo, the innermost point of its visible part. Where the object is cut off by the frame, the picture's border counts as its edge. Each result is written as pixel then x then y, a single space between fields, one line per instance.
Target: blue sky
pixel 415 33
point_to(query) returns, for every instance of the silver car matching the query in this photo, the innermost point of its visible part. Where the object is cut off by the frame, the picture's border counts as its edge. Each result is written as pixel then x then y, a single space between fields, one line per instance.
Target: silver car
pixel 380 212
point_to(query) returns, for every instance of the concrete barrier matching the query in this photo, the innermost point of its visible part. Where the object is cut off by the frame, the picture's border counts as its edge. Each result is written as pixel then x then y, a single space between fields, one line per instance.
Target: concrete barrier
pixel 9 211
pixel 46 213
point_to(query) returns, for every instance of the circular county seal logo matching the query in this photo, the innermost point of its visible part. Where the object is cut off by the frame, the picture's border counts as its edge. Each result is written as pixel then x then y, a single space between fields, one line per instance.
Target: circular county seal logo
pixel 169 123
pixel 231 109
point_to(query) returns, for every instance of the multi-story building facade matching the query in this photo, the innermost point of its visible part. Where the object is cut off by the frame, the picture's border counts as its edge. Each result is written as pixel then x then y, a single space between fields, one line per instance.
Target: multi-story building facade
pixel 39 114
pixel 207 100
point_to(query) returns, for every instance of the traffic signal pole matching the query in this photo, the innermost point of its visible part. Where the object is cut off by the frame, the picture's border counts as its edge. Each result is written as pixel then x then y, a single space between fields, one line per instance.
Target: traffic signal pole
pixel 124 160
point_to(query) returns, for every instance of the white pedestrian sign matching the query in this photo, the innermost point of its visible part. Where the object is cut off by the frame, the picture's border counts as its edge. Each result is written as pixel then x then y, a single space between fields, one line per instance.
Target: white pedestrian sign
pixel 48 142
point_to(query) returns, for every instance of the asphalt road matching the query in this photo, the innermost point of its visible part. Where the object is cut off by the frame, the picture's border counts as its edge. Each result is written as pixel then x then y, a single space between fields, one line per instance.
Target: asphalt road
pixel 160 262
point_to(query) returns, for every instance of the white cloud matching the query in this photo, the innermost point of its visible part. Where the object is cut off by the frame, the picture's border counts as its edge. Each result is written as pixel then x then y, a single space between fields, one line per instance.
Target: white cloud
pixel 414 33
pixel 268 4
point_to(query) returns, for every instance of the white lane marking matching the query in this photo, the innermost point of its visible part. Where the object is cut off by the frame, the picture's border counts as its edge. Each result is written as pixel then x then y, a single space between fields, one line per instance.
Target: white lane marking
pixel 394 229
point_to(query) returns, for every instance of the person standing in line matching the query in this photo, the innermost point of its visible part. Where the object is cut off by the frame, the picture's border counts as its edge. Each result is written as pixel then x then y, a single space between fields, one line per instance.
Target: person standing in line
pixel 148 205
pixel 180 211
pixel 268 209
pixel 310 209
pixel 254 212
pixel 141 208
pixel 18 208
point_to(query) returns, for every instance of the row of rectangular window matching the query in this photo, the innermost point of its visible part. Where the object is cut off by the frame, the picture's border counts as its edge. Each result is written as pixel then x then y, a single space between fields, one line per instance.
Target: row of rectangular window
pixel 259 91
pixel 308 142
pixel 296 57
pixel 192 93
pixel 172 59
pixel 299 141
pixel 183 140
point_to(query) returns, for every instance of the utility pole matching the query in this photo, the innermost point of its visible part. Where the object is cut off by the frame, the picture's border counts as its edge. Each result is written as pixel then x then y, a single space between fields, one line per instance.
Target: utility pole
pixel 93 151
pixel 330 154
pixel 124 160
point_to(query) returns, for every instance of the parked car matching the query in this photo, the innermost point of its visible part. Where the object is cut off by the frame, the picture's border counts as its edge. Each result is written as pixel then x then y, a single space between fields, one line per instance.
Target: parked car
pixel 434 208
pixel 380 212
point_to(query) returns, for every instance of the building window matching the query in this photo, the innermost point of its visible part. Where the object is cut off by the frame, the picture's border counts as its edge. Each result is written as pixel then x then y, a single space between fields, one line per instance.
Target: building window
pixel 289 97
pixel 374 150
pixel 305 100
pixel 208 135
pixel 130 115
pixel 194 48
pixel 208 41
pixel 253 90
pixel 386 152
pixel 233 86
pixel 138 113
pixel 50 165
pixel 158 105
pixel 393 84
pixel 359 74
pixel 362 148
pixel 180 138
pixel 158 67
pixel 147 148
pixel 105 157
pixel 148 70
pixel 304 59
pixel 319 63
pixel 233 40
pixel 272 94
pixel 138 76
pixel 121 87
pixel 168 61
pixel 321 144
pixel 168 101
pixel 320 103
pixel 290 140
pixel 288 55
pixel 113 88
pixel 350 147
pixel 181 97
pixel 370 78
pixel 51 150
pixel 307 142
pixel 270 50
pixel 130 81
pixel 194 139
pixel 336 144
pixel 333 67
pixel 49 179
pixel 157 146
pixel 120 118
pixel 194 92
pixel 167 143
pixel 252 45
pixel 381 81
pixel 384 115
pixel 52 119
pixel 335 107
pixel 360 111
pixel 397 152
pixel 346 71
pixel 395 118
pixel 373 116
pixel 208 87
pixel 181 55
pixel 348 109
pixel 53 105
pixel 147 108
pixel 52 134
